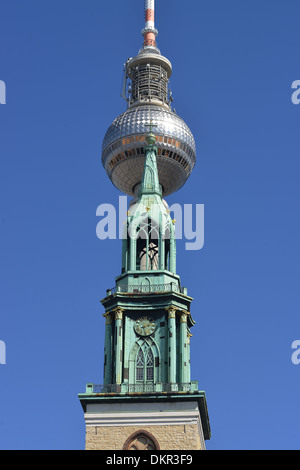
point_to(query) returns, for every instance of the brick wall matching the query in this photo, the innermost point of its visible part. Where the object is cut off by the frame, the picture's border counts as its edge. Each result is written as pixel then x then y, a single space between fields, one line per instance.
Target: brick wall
pixel 174 437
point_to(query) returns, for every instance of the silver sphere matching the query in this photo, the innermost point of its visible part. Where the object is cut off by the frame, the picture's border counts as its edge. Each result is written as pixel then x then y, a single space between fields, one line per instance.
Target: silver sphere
pixel 124 142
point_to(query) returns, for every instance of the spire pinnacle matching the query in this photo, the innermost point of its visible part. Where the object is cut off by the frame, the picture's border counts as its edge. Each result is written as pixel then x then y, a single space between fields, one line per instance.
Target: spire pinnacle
pixel 150 138
pixel 150 181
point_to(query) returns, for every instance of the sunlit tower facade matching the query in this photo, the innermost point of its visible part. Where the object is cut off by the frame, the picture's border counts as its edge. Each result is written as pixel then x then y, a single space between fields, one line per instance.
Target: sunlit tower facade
pixel 148 400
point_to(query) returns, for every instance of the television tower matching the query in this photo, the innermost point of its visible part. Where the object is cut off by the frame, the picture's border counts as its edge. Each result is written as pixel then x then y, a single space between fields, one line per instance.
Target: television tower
pixel 148 400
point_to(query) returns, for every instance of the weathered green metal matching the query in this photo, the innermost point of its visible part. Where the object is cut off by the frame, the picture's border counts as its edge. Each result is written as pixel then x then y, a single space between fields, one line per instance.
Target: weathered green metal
pixel 143 366
pixel 172 356
pixel 150 182
pixel 118 341
pixel 148 262
pixel 183 348
pixel 149 220
pixel 108 351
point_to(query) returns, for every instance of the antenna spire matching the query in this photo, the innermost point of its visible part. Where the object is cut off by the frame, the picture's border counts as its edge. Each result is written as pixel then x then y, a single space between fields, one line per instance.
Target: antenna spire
pixel 149 32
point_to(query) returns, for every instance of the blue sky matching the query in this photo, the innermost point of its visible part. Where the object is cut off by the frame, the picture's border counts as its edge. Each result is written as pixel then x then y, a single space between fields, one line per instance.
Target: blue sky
pixel 233 66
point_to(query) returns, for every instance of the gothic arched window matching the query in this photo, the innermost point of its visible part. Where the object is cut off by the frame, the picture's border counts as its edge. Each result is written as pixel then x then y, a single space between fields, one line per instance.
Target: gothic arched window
pixel 144 365
pixel 141 440
pixel 153 256
pixel 147 245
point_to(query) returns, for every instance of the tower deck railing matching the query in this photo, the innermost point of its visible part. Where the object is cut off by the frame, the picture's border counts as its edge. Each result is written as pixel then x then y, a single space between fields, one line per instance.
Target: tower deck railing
pixel 143 388
pixel 147 289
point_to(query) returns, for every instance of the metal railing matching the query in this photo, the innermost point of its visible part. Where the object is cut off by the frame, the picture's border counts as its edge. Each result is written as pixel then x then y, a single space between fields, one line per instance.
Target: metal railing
pixel 147 289
pixel 142 388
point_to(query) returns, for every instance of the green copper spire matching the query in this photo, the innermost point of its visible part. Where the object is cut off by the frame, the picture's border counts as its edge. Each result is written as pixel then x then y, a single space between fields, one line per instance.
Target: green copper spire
pixel 147 314
pixel 151 245
pixel 150 182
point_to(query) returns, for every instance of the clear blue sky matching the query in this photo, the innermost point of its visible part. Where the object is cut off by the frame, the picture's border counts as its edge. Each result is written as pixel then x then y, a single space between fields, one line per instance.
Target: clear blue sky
pixel 233 66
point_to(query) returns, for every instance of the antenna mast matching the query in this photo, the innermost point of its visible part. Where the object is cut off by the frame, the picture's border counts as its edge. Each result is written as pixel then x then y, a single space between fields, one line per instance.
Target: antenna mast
pixel 149 32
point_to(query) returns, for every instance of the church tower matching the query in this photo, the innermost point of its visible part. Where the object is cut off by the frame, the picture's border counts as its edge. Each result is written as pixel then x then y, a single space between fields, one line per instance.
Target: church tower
pixel 148 400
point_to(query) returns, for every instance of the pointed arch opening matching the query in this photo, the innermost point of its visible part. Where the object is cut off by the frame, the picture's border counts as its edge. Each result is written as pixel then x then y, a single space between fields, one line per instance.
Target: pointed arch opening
pixel 147 245
pixel 141 440
pixel 144 369
pixel 144 362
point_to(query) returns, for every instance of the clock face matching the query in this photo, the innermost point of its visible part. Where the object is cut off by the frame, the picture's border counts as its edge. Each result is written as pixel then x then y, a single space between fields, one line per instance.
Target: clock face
pixel 145 326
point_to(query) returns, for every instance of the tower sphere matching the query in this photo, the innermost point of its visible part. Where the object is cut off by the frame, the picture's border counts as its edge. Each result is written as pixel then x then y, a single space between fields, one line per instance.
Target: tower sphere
pixel 149 101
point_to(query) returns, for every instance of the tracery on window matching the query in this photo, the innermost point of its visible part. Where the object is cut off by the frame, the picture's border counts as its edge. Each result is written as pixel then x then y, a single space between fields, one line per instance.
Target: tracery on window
pixel 145 365
pixel 142 440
